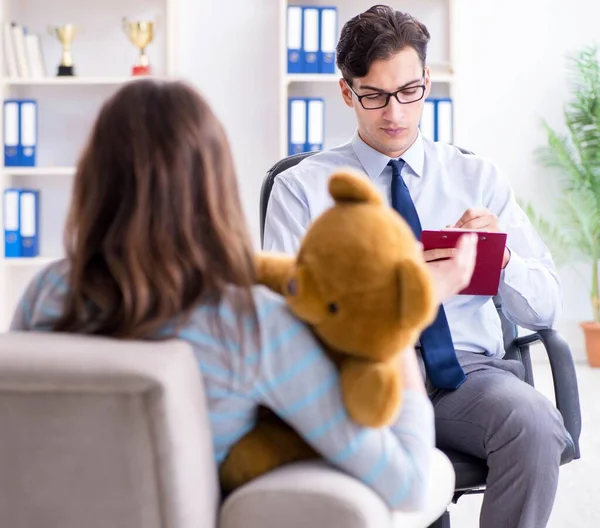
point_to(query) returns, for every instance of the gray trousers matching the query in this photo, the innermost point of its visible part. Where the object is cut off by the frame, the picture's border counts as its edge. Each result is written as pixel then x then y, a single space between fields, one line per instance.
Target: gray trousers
pixel 497 416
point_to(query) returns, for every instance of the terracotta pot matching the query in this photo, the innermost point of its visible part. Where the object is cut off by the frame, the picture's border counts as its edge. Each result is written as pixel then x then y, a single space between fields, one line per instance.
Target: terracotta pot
pixel 591 332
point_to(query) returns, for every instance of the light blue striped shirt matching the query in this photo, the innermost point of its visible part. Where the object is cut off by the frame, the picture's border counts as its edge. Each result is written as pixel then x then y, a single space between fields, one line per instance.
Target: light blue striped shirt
pixel 443 183
pixel 286 370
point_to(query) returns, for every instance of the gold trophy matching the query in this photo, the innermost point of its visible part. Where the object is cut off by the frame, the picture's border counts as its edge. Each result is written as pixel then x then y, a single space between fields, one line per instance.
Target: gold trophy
pixel 65 34
pixel 140 33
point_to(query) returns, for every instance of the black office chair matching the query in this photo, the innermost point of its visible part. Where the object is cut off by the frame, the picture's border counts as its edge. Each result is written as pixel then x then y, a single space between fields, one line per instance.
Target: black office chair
pixel 471 472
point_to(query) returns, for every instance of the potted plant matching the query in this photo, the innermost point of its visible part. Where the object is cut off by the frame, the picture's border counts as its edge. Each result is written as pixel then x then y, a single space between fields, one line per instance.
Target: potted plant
pixel 576 155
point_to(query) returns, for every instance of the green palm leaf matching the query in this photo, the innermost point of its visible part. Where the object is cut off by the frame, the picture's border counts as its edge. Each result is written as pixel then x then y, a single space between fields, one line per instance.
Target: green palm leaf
pixel 559 154
pixel 555 238
pixel 575 157
pixel 579 216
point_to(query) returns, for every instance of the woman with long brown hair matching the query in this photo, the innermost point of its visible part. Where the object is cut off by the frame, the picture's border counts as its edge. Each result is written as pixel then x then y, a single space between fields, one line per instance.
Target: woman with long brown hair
pixel 157 247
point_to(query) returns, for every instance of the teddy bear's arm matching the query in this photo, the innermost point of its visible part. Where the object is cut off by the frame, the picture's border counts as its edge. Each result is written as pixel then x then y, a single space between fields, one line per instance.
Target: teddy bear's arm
pixel 273 270
pixel 371 390
pixel 271 444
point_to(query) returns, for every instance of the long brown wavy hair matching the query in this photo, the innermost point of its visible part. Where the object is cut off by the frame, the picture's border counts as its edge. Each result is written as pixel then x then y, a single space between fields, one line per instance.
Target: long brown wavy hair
pixel 155 224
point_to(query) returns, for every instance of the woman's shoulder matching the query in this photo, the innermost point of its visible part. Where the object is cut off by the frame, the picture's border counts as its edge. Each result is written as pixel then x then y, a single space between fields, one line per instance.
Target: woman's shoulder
pixel 57 268
pixel 272 307
pixel 248 306
pixel 270 310
pixel 51 278
pixel 43 296
pixel 262 297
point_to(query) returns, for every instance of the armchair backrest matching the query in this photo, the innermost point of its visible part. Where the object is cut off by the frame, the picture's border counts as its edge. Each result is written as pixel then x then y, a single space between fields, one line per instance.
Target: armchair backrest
pixel 268 181
pixel 509 329
pixel 98 432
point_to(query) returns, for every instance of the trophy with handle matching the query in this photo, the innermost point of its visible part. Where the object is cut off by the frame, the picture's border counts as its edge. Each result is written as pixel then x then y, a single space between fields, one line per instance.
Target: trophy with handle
pixel 141 34
pixel 65 35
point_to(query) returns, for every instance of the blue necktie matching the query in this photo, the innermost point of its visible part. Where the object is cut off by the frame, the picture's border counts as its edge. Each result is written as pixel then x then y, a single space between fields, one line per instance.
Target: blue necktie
pixel 437 347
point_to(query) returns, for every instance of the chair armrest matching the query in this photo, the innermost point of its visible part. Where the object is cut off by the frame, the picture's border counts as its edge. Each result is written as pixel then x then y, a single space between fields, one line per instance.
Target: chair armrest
pixel 566 391
pixel 316 494
pixel 305 494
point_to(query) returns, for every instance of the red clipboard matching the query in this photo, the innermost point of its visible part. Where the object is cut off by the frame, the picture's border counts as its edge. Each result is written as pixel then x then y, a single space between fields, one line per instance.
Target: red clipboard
pixel 488 264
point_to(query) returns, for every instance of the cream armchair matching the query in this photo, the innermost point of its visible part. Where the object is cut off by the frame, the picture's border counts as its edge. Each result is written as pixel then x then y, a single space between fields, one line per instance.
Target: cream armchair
pixel 100 433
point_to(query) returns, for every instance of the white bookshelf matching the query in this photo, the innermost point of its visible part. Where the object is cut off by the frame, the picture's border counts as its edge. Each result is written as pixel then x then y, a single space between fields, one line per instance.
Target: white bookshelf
pixel 29 262
pixel 437 15
pixel 67 106
pixel 37 171
pixel 439 74
pixel 66 81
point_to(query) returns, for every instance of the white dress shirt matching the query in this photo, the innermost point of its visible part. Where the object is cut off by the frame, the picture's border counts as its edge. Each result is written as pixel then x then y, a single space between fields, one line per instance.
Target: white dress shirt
pixel 443 183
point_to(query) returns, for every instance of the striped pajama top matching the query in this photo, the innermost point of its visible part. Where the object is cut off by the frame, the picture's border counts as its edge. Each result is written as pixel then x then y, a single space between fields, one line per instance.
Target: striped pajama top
pixel 278 364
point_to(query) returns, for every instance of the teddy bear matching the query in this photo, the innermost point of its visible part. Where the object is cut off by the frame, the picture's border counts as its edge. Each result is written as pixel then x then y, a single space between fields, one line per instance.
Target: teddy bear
pixel 359 280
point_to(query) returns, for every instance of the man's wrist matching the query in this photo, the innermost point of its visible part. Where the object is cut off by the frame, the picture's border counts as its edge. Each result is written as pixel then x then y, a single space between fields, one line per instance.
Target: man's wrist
pixel 506 258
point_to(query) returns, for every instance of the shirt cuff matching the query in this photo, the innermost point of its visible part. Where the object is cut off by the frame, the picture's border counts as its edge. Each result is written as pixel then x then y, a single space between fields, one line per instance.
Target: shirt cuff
pixel 514 271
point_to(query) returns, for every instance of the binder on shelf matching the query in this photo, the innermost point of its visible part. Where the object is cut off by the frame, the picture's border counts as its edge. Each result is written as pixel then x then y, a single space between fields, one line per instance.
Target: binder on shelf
pixel 28 132
pixel 12 231
pixel 10 56
pixel 427 124
pixel 18 36
pixel 297 129
pixel 29 213
pixel 23 56
pixel 328 39
pixel 11 133
pixel 310 39
pixel 294 39
pixel 444 120
pixel 437 120
pixel 315 119
pixel 35 58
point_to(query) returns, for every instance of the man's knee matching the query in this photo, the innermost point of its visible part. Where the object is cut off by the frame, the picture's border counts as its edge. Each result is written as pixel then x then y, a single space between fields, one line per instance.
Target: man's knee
pixel 535 426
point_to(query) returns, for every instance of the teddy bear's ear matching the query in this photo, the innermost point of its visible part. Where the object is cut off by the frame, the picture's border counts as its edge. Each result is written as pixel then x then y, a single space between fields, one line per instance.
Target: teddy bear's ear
pixel 347 185
pixel 416 296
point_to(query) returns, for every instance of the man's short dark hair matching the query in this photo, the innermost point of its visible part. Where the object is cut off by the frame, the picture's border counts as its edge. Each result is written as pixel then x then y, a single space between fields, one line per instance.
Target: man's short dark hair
pixel 376 34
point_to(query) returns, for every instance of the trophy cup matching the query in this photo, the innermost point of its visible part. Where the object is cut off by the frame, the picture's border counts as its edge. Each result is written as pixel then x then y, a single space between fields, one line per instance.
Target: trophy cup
pixel 140 33
pixel 65 34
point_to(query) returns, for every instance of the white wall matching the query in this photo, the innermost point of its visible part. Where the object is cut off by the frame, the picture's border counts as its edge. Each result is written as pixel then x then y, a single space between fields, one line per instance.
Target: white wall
pixel 510 64
pixel 510 69
pixel 231 56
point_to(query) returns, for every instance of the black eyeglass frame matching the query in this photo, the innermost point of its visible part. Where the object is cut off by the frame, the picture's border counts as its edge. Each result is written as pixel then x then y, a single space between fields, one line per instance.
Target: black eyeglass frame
pixel 389 95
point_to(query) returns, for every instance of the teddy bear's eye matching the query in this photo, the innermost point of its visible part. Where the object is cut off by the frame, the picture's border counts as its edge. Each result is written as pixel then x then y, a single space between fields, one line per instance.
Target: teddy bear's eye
pixel 292 287
pixel 332 308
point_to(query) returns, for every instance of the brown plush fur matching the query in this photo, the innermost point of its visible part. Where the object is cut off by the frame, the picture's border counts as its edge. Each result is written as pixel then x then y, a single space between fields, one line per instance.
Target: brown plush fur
pixel 360 281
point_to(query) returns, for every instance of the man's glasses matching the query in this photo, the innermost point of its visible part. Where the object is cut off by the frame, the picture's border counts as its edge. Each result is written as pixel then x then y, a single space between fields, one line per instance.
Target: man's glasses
pixel 374 101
